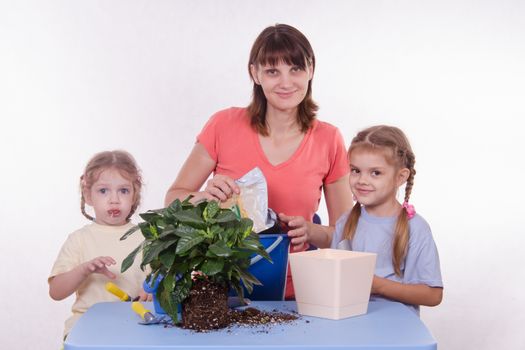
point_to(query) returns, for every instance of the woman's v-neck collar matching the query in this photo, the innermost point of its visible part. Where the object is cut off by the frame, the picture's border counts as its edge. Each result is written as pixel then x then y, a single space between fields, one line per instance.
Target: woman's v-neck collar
pixel 294 156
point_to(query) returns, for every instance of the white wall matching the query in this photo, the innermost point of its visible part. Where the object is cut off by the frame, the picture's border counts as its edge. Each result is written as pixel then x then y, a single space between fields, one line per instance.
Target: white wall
pixel 78 77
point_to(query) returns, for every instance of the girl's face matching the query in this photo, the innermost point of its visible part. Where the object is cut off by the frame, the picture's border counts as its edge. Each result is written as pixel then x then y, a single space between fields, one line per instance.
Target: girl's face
pixel 112 197
pixel 374 181
pixel 284 86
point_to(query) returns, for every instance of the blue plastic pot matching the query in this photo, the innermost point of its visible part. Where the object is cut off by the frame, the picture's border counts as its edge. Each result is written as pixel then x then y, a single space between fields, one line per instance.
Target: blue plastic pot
pixel 272 276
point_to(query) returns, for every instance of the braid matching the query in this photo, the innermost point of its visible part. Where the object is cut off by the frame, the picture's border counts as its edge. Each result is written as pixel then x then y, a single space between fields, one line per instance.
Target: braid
pixel 402 230
pixel 351 222
pixel 400 244
pixel 83 209
pixel 410 161
pixel 133 208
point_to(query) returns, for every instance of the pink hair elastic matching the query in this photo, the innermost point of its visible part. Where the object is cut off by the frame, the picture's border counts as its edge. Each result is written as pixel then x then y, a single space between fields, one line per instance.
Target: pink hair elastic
pixel 411 211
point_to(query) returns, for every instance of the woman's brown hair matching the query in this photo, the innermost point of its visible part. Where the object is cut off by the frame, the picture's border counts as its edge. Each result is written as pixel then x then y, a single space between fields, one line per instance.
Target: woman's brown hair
pixel 399 153
pixel 119 160
pixel 281 43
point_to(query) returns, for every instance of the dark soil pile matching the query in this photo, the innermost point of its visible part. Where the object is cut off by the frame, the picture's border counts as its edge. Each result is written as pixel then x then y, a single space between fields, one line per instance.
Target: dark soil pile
pixel 207 309
pixel 253 317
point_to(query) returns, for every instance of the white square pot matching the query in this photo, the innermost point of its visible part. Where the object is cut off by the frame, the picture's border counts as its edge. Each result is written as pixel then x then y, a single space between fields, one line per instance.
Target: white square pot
pixel 332 283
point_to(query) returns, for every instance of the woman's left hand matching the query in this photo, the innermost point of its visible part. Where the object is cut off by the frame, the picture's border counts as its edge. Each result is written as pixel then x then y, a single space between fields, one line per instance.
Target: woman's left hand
pixel 299 229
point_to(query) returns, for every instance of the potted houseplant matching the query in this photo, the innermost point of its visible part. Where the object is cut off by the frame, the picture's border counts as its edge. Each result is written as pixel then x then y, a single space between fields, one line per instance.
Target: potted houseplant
pixel 201 251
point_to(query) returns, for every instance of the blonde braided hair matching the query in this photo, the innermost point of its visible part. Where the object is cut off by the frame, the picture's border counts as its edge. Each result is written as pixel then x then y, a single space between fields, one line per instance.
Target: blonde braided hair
pixel 380 138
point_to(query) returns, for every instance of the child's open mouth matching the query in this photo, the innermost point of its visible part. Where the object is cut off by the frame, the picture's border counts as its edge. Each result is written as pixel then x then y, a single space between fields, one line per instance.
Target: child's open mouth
pixel 114 212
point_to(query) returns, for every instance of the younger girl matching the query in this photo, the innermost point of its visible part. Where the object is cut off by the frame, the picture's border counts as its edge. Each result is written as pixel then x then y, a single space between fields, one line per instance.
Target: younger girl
pixel 92 255
pixel 407 266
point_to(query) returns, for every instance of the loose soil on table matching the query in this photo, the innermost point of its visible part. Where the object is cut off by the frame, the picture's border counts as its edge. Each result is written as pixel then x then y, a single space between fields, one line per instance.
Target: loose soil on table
pixel 207 309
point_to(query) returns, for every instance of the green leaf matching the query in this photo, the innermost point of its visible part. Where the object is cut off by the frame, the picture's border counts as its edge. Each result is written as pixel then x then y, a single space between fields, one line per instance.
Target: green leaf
pixel 146 230
pixel 155 265
pixel 253 244
pixel 211 267
pixel 239 290
pixel 241 254
pixel 161 224
pixel 212 208
pixel 186 203
pixel 167 258
pixel 246 276
pixel 220 249
pixel 169 230
pixel 200 250
pixel 165 297
pixel 249 280
pixel 225 216
pixel 176 205
pixel 184 230
pixel 216 231
pixel 190 217
pixel 150 216
pixel 154 230
pixel 128 261
pixel 182 289
pixel 246 227
pixel 187 242
pixel 194 263
pixel 229 236
pixel 181 268
pixel 129 232
pixel 154 249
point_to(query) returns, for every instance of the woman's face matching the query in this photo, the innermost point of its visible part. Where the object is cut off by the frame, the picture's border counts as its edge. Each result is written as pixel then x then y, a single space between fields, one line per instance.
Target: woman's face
pixel 284 85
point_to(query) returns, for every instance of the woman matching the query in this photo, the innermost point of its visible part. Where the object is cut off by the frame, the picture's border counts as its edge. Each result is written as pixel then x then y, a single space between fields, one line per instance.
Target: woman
pixel 279 133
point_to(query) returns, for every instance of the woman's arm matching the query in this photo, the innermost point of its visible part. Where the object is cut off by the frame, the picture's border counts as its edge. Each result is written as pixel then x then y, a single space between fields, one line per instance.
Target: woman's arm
pixel 415 294
pixel 63 285
pixel 338 200
pixel 196 169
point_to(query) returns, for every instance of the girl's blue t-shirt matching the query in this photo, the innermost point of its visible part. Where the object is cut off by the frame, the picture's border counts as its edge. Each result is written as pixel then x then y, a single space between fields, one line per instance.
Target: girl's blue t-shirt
pixel 375 235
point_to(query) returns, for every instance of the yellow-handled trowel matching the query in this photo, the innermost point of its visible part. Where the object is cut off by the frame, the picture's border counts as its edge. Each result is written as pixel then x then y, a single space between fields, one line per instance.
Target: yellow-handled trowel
pixel 119 293
pixel 145 314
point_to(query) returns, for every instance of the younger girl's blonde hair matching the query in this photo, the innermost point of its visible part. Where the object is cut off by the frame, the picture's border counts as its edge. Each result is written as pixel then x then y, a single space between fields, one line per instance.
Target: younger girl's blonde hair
pixel 393 143
pixel 119 160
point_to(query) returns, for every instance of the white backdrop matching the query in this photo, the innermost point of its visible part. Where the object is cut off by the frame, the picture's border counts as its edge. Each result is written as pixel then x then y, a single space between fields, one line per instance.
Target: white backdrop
pixel 78 77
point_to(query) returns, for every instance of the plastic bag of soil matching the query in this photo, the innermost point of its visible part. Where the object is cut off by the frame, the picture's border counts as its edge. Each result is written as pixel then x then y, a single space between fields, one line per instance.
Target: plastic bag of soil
pixel 252 202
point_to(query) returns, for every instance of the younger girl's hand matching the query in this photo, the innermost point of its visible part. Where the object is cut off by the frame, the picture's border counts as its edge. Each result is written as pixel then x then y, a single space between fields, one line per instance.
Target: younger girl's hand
pixel 99 265
pixel 143 296
pixel 299 229
pixel 221 187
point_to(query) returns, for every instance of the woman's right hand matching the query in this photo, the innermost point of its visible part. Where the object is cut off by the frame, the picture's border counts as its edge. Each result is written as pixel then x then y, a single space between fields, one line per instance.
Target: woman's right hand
pixel 221 187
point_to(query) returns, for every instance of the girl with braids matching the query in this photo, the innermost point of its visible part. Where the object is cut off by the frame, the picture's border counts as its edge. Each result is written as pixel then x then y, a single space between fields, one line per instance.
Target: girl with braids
pixel 407 267
pixel 92 255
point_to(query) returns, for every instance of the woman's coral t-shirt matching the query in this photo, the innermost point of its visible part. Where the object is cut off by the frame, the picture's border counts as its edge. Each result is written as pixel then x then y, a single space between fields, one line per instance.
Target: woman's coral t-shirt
pixel 294 186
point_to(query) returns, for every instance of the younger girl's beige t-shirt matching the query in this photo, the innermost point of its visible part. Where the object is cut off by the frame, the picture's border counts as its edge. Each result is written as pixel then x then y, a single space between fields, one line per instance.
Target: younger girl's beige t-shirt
pixel 92 241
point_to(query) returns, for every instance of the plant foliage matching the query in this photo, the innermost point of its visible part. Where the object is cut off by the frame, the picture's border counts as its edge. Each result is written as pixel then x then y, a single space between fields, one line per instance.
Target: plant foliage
pixel 186 241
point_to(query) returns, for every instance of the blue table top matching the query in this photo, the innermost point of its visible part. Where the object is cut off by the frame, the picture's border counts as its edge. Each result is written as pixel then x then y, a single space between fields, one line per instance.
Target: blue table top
pixel 387 325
